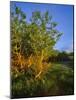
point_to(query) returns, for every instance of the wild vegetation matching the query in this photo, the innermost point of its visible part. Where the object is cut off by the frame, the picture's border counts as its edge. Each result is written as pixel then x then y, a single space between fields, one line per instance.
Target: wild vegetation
pixel 32 71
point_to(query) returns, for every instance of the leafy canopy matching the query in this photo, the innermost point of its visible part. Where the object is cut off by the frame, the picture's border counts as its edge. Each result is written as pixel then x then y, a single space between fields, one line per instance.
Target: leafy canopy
pixel 38 35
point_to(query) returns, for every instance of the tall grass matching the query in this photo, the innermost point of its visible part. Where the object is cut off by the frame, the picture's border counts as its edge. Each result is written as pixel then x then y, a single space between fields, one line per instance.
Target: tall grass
pixel 57 81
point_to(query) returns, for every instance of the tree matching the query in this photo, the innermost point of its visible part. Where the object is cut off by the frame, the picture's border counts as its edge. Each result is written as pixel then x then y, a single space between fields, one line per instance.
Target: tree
pixel 33 42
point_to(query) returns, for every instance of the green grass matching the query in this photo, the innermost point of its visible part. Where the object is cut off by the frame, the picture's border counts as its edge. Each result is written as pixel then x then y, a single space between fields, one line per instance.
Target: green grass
pixel 59 80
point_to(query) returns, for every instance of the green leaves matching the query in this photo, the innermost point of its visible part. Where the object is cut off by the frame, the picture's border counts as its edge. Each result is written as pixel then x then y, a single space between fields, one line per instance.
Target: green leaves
pixel 17 10
pixel 54 24
pixel 37 31
pixel 57 81
pixel 46 16
pixel 32 44
pixel 34 37
pixel 40 34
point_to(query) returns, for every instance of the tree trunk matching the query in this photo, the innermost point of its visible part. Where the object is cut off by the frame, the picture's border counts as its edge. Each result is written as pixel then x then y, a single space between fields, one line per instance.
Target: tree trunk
pixel 40 64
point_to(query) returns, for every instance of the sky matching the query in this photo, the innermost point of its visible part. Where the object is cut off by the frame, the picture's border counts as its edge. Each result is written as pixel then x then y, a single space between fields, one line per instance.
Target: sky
pixel 62 14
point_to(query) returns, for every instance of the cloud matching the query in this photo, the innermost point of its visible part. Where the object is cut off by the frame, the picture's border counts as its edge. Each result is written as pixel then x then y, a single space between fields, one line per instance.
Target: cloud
pixel 70 48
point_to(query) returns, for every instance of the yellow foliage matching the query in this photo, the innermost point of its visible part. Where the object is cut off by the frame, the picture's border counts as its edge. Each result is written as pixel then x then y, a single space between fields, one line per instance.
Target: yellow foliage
pixel 22 63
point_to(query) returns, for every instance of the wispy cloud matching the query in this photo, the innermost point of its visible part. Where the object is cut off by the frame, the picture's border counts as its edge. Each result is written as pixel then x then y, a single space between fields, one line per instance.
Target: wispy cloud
pixel 69 47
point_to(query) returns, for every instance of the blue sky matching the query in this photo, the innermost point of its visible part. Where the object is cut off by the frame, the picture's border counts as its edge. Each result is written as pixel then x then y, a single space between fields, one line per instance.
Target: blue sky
pixel 62 14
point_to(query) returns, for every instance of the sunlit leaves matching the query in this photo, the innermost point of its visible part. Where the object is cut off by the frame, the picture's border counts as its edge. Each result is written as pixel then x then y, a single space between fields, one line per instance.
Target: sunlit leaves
pixel 36 38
